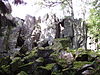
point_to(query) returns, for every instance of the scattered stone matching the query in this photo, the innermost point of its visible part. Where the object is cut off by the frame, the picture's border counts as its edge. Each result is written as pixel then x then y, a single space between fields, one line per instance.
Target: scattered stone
pixel 86 72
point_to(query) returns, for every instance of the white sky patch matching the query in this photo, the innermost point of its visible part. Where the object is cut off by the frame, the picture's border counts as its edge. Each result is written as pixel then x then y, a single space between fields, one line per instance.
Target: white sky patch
pixel 22 10
pixel 35 10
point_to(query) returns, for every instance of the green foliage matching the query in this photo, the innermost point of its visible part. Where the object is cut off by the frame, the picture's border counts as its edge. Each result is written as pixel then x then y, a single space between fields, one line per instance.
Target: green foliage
pixel 22 73
pixel 48 66
pixel 79 64
pixel 27 64
pixel 40 59
pixel 6 69
pixel 54 55
pixel 69 71
pixel 32 63
pixel 5 61
pixel 62 62
pixel 94 20
pixel 26 67
pixel 57 73
pixel 96 63
pixel 30 55
pixel 16 62
pixel 61 43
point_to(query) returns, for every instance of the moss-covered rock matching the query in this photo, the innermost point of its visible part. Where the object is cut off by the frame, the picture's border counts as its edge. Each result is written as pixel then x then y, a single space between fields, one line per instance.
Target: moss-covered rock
pixel 44 52
pixel 47 61
pixel 82 57
pixel 28 68
pixel 5 61
pixel 40 59
pixel 61 43
pixel 79 64
pixel 96 64
pixel 62 62
pixel 5 70
pixel 41 71
pixel 30 56
pixel 69 71
pixel 48 66
pixel 22 73
pixel 15 64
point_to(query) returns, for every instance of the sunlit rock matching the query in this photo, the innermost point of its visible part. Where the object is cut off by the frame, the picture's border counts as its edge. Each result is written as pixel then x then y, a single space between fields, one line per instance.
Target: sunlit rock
pixel 67 56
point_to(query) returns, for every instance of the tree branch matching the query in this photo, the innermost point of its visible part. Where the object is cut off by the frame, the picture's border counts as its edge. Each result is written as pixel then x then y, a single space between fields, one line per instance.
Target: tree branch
pixel 52 3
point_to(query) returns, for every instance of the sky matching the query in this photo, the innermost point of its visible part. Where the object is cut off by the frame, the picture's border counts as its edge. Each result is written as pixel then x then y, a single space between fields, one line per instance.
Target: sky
pixel 31 9
pixel 35 10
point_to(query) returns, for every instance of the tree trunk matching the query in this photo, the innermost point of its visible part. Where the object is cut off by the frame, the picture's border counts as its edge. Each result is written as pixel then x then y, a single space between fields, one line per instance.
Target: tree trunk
pixel 58 30
pixel 6 39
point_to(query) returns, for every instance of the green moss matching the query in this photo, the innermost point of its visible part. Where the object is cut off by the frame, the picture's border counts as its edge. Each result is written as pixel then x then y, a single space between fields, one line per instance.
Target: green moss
pixel 56 46
pixel 98 52
pixel 72 51
pixel 40 59
pixel 61 43
pixel 27 67
pixel 16 59
pixel 22 73
pixel 81 52
pixel 24 65
pixel 57 73
pixel 48 66
pixel 62 62
pixel 65 42
pixel 5 61
pixel 15 64
pixel 54 55
pixel 30 55
pixel 41 48
pixel 6 69
pixel 69 71
pixel 92 53
pixel 79 64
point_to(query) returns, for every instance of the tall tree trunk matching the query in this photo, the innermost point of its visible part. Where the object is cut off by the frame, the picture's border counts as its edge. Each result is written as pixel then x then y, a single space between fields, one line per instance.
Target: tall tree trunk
pixel 85 34
pixel 72 11
pixel 72 14
pixel 58 30
pixel 6 39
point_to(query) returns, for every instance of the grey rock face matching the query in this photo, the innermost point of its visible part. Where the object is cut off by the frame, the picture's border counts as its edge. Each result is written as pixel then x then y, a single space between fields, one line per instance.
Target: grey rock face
pixel 68 29
pixel 67 56
pixel 86 72
pixel 76 30
pixel 44 53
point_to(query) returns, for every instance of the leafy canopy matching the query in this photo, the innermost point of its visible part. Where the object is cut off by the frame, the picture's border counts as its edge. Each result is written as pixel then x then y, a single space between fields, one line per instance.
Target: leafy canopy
pixel 94 19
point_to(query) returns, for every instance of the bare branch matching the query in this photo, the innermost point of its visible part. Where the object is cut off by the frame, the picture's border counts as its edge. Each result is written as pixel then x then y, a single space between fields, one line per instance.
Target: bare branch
pixel 53 3
pixel 70 4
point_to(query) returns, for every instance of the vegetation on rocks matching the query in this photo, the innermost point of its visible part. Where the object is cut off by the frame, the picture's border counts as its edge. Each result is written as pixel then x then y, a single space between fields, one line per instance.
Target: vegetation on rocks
pixel 32 63
pixel 25 50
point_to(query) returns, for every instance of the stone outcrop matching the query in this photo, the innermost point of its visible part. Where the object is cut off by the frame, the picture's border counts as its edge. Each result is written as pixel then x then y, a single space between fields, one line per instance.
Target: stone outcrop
pixel 75 30
pixel 16 33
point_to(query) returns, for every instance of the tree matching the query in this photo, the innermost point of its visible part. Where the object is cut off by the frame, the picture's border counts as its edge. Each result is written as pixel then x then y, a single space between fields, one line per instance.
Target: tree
pixel 94 19
pixel 65 4
pixel 94 22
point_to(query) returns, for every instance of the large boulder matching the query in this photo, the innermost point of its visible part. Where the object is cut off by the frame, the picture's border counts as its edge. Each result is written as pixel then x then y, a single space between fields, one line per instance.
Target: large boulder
pixel 61 43
pixel 68 27
pixel 44 52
